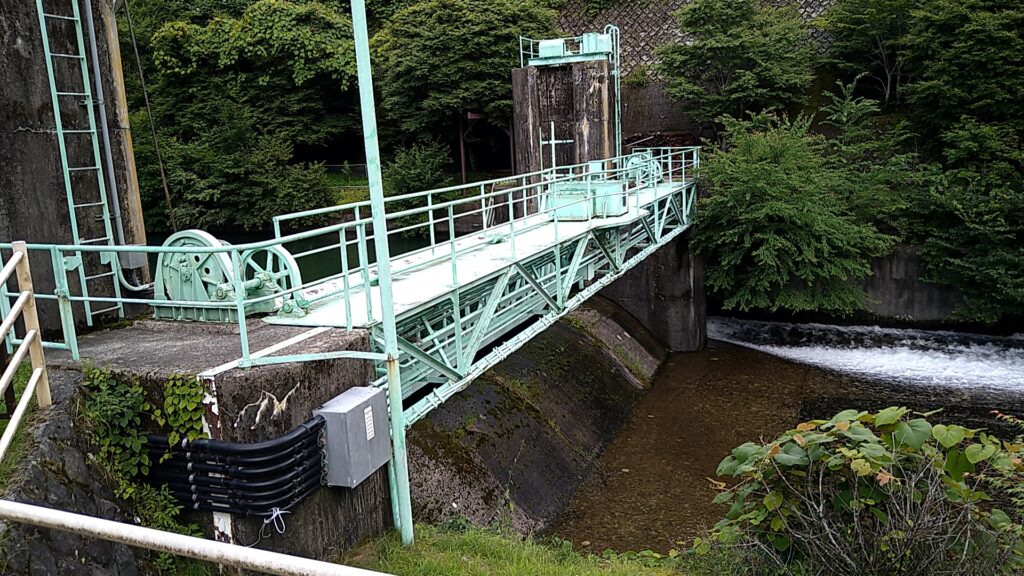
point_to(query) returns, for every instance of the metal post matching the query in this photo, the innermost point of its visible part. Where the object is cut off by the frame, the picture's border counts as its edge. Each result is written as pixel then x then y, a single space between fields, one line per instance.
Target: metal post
pixel 380 233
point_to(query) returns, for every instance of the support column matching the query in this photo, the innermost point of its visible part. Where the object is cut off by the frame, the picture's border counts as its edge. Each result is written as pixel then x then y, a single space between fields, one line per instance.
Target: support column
pixel 666 293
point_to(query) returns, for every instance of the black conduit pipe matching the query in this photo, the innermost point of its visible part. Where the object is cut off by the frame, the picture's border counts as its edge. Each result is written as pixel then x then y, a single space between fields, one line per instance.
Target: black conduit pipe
pixel 256 479
pixel 308 428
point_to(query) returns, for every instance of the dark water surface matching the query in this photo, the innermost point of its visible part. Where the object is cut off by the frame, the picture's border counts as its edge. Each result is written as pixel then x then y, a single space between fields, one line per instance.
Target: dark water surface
pixel 651 488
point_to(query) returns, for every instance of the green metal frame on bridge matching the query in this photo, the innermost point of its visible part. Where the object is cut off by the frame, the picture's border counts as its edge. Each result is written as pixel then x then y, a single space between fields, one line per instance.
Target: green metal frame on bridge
pixel 502 260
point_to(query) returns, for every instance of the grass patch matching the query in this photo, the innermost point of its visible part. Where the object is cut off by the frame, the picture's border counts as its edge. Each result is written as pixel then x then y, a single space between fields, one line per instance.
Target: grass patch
pixel 19 446
pixel 468 551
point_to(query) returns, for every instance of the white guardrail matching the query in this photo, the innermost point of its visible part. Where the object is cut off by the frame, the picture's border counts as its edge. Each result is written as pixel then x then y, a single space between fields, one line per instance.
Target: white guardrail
pixel 39 385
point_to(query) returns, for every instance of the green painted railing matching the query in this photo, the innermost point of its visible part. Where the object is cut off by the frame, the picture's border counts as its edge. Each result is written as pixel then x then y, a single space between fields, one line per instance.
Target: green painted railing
pixel 502 208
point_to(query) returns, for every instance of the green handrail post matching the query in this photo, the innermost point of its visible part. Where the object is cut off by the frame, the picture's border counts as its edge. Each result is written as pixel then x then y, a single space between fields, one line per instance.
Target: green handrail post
pixel 67 312
pixel 403 499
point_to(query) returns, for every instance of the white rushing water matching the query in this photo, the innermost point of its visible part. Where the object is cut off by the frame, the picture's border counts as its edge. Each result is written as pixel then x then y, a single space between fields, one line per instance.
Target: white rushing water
pixel 911 356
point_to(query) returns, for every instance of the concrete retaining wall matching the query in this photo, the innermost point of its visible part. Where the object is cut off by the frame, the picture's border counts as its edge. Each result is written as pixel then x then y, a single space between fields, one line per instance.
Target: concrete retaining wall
pixel 517 443
pixel 665 293
pixel 897 292
pixel 33 201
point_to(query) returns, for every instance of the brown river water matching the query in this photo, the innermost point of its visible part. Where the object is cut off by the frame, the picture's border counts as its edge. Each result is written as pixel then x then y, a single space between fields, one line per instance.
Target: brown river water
pixel 651 488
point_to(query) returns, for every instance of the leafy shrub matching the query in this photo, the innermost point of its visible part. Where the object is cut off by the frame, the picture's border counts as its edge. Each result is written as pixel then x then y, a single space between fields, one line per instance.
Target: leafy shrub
pixel 738 56
pixel 119 413
pixel 882 493
pixel 183 410
pixel 417 168
pixel 777 231
pixel 115 408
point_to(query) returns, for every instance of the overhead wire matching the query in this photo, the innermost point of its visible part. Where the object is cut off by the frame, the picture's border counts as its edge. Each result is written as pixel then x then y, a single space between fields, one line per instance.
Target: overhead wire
pixel 149 115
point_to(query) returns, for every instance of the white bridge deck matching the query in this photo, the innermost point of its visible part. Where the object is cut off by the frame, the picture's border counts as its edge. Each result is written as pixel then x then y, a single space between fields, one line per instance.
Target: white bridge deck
pixel 425 276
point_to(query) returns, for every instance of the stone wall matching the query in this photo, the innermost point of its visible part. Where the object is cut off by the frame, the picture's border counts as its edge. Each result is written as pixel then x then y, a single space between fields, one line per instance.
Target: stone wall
pixel 58 472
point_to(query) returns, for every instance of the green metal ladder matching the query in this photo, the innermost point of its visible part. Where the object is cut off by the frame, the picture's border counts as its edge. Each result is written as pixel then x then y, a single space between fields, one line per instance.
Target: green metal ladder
pixel 108 262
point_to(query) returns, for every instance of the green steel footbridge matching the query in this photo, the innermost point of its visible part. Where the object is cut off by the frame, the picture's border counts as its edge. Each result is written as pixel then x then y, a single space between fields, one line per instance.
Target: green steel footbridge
pixel 492 264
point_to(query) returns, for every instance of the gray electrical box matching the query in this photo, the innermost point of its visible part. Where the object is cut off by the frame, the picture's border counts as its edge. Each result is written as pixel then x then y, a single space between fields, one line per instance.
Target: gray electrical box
pixel 358 441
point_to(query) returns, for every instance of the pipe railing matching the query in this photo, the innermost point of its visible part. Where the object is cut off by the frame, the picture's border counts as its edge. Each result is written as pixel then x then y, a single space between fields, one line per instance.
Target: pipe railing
pixel 445 224
pixel 17 267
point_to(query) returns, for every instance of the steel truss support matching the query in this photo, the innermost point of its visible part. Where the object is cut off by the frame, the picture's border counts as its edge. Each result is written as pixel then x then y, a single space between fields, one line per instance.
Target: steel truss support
pixel 441 342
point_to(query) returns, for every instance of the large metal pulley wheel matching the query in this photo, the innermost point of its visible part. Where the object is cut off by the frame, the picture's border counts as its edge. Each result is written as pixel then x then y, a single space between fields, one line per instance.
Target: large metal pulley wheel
pixel 643 169
pixel 193 282
pixel 274 271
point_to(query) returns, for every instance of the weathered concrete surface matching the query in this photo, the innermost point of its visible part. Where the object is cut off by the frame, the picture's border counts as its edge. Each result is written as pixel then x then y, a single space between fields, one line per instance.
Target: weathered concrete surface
pixel 517 443
pixel 578 98
pixel 896 290
pixel 665 293
pixel 330 521
pixel 33 202
pixel 58 472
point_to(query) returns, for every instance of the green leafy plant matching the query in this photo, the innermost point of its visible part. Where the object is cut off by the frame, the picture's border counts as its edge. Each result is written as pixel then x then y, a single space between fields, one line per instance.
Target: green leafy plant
pixel 116 407
pixel 438 59
pixel 183 409
pixel 881 493
pixel 738 56
pixel 118 411
pixel 416 168
pixel 776 230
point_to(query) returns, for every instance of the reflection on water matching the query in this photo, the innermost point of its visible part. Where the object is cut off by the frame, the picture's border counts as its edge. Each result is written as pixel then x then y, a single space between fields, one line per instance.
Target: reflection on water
pixel 651 487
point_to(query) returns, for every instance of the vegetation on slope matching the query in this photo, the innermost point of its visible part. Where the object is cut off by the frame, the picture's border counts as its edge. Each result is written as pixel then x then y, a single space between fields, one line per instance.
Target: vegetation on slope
pixel 926 148
pixel 463 550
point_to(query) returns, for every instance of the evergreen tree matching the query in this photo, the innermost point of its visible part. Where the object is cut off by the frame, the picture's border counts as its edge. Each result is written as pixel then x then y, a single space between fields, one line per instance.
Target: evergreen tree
pixel 775 231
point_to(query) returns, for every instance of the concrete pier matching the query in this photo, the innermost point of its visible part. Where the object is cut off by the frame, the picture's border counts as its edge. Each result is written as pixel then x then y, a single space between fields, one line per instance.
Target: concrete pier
pixel 665 293
pixel 252 405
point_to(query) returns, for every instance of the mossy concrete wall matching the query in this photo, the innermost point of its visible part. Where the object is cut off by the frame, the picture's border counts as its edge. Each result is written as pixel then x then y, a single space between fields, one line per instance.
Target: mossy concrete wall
pixel 515 445
pixel 252 405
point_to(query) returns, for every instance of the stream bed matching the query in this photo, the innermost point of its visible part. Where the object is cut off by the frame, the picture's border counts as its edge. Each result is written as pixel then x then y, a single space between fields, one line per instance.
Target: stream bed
pixel 651 488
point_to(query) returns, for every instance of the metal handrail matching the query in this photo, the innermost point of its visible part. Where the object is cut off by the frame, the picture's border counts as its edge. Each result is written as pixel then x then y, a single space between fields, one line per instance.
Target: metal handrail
pixel 39 387
pixel 25 309
pixel 525 201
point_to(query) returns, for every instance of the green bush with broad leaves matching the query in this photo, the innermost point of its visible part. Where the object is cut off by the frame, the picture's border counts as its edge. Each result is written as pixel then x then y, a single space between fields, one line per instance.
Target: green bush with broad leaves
pixel 182 412
pixel 116 408
pixel 880 493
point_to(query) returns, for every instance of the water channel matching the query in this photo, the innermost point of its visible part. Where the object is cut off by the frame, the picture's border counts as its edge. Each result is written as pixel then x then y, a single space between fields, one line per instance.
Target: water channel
pixel 651 487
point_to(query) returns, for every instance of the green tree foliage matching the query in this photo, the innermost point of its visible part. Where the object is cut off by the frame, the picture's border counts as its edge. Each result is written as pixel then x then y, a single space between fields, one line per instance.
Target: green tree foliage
pixel 421 166
pixel 236 100
pixel 776 231
pixel 973 220
pixel 966 61
pixel 965 94
pixel 879 175
pixel 866 38
pixel 879 493
pixel 437 59
pixel 738 56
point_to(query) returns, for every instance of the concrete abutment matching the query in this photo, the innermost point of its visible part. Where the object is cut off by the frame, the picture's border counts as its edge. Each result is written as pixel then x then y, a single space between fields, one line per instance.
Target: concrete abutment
pixel 665 293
